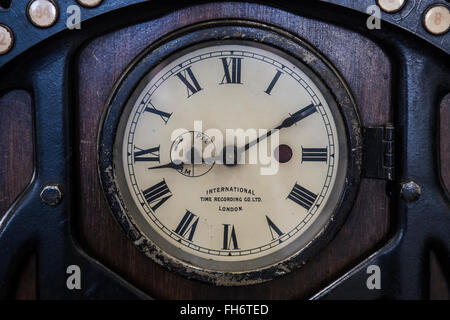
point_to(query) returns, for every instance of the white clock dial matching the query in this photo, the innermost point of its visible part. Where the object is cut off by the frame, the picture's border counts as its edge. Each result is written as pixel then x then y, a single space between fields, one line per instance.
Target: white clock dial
pixel 231 217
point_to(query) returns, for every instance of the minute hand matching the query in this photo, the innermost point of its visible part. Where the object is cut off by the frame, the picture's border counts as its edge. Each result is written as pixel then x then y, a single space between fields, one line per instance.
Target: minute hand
pixel 288 122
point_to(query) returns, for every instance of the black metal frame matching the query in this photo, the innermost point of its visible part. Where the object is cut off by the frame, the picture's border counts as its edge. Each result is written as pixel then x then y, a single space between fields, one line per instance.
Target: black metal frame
pixel 43 62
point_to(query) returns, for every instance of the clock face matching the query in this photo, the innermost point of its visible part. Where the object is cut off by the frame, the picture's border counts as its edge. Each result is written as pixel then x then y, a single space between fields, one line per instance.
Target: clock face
pixel 214 210
pixel 230 157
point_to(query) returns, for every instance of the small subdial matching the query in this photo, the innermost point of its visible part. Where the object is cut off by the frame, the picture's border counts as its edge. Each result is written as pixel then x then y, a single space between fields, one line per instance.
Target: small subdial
pixel 194 152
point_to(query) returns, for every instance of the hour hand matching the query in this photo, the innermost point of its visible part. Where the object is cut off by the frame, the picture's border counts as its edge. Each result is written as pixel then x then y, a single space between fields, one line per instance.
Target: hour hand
pixel 170 165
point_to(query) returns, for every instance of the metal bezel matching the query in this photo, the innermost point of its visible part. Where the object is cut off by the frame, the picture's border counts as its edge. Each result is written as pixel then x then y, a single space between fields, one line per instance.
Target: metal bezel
pixel 229 30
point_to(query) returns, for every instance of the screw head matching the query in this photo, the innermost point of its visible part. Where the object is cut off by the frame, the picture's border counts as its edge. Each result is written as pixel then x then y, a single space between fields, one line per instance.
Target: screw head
pixel 52 195
pixel 6 39
pixel 410 191
pixel 436 19
pixel 42 13
pixel 391 6
pixel 90 3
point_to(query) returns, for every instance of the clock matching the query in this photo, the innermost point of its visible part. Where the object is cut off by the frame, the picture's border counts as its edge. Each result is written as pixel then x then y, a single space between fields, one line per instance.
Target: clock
pixel 230 152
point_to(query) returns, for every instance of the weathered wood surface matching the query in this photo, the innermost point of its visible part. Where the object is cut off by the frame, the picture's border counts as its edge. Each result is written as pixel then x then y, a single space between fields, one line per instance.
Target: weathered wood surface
pixel 16 167
pixel 16 146
pixel 444 144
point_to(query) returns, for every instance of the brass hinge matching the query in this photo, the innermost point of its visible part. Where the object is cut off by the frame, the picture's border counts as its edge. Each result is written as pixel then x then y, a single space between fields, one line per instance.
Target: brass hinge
pixel 379 144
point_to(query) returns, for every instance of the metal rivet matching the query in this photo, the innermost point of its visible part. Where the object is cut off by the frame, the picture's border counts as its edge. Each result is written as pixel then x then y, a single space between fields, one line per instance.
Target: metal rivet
pixel 42 13
pixel 391 6
pixel 436 19
pixel 410 191
pixel 6 39
pixel 51 195
pixel 90 3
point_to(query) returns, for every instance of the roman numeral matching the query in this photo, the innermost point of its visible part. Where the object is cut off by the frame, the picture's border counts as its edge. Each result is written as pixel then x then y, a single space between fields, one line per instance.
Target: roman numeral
pixel 232 69
pixel 314 154
pixel 151 154
pixel 188 224
pixel 302 196
pixel 273 82
pixel 157 195
pixel 192 84
pixel 229 237
pixel 164 115
pixel 273 228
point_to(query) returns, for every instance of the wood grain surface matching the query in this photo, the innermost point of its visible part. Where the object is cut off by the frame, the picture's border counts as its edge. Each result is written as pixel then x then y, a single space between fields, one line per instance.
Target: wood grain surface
pixel 364 66
pixel 444 144
pixel 16 169
pixel 16 146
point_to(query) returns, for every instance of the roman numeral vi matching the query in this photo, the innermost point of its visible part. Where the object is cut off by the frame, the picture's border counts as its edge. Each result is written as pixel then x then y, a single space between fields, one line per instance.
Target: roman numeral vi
pixel 229 237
